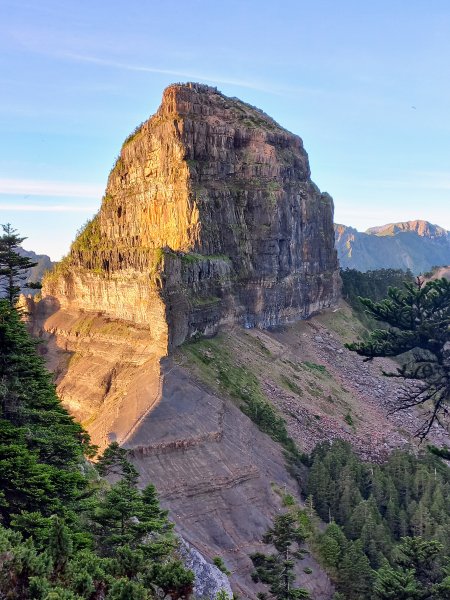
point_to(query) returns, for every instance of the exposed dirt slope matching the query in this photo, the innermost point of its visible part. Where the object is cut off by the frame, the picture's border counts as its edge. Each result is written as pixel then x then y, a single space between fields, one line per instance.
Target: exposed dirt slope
pixel 218 475
pixel 322 390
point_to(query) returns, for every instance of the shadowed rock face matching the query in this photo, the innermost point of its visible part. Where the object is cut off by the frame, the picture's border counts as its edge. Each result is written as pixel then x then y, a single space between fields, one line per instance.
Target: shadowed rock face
pixel 209 216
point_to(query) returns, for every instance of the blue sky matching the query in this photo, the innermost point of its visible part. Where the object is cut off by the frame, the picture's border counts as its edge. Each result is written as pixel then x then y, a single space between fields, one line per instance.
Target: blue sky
pixel 365 84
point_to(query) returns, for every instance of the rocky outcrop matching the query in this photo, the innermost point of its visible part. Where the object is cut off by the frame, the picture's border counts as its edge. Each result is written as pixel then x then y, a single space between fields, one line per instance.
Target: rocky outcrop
pixel 209 580
pixel 415 245
pixel 209 217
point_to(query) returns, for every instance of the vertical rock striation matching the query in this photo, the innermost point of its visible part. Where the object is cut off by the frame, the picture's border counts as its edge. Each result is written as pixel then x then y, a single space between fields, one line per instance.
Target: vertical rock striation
pixel 209 217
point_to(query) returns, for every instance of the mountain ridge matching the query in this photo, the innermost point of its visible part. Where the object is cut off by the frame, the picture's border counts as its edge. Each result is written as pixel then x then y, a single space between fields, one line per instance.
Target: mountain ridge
pixel 36 273
pixel 416 245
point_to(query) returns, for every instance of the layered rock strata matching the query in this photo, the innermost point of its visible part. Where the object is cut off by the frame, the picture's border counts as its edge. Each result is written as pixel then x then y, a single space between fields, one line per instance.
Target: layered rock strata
pixel 209 217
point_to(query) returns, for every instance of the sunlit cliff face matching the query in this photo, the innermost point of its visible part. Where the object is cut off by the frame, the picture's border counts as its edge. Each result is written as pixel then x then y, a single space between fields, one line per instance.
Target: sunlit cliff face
pixel 210 208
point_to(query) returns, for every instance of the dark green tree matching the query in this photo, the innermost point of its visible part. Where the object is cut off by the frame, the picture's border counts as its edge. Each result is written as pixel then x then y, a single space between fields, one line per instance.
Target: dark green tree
pixel 418 320
pixel 277 570
pixel 13 267
pixel 64 533
pixel 332 546
pixel 114 462
pixel 355 575
pixel 424 557
pixel 396 584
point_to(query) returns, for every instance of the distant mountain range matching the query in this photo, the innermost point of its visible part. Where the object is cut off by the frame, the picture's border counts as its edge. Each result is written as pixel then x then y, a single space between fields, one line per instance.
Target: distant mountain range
pixel 414 245
pixel 35 274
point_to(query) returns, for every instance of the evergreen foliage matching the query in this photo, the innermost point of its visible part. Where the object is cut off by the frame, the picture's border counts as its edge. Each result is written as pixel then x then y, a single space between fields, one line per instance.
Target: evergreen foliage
pixel 389 525
pixel 65 534
pixel 418 319
pixel 276 570
pixel 13 267
pixel 371 284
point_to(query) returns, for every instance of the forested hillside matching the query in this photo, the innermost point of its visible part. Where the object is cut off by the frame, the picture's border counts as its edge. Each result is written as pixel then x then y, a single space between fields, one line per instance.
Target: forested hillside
pixel 389 524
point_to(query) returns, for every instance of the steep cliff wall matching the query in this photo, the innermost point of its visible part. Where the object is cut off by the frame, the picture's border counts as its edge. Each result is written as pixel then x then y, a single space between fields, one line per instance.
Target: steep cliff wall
pixel 209 216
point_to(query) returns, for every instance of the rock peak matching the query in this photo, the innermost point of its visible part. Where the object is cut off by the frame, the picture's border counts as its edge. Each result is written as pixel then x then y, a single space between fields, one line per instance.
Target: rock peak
pixel 210 217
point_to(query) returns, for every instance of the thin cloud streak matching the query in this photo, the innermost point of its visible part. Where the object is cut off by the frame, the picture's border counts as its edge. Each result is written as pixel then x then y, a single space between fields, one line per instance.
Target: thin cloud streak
pixel 145 69
pixel 47 208
pixel 27 187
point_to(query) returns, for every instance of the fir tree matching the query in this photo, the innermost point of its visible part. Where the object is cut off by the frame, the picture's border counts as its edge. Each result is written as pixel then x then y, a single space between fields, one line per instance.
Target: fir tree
pixel 13 267
pixel 65 535
pixel 277 570
pixel 396 584
pixel 355 574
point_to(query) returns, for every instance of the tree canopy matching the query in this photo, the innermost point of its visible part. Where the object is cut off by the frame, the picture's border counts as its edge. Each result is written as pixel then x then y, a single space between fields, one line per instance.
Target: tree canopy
pixel 389 525
pixel 65 533
pixel 13 267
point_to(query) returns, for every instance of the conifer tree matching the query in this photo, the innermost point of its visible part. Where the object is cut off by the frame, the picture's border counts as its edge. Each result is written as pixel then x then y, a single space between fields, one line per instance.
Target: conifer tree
pixel 277 570
pixel 332 545
pixel 13 267
pixel 355 574
pixel 396 584
pixel 418 320
pixel 65 535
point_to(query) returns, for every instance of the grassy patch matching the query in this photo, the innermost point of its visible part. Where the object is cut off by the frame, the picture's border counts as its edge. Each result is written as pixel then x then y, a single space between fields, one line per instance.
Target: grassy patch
pixel 315 390
pixel 218 561
pixel 258 344
pixel 315 367
pixel 210 300
pixel 291 385
pixel 349 420
pixel 133 135
pixel 193 257
pixel 83 326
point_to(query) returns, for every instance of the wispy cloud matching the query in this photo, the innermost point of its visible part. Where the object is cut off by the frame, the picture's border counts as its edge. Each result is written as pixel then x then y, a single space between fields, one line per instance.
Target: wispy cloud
pixel 27 187
pixel 184 74
pixel 47 208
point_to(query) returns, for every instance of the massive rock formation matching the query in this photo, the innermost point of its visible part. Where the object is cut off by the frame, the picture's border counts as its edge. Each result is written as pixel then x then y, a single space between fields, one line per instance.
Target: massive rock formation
pixel 209 219
pixel 415 245
pixel 209 216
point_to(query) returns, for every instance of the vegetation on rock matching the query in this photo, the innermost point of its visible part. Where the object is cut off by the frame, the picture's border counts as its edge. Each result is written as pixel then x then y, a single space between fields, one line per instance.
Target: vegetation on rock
pixel 220 367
